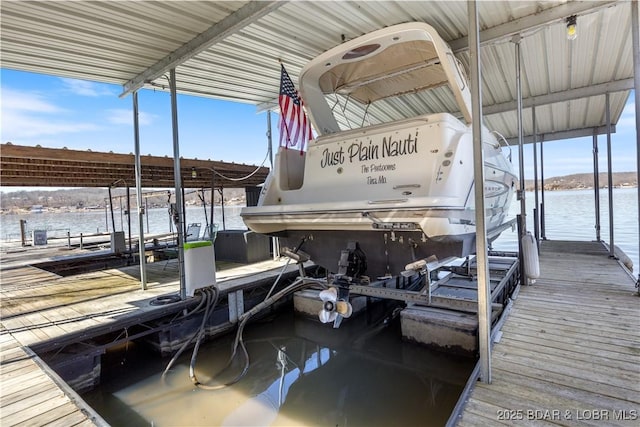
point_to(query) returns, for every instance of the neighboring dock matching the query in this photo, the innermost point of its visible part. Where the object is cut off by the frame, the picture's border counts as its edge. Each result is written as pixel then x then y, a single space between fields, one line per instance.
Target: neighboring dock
pixel 41 311
pixel 570 349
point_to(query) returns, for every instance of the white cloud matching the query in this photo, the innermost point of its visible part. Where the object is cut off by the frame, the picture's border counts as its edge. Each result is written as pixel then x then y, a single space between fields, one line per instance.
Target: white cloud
pixel 15 100
pixel 85 88
pixel 123 116
pixel 26 115
pixel 17 126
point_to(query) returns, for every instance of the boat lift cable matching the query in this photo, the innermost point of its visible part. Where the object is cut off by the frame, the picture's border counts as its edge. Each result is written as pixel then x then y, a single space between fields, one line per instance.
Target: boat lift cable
pixel 297 285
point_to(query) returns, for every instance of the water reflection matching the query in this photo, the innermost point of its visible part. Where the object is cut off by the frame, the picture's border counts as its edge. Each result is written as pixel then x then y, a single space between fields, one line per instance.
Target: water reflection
pixel 301 373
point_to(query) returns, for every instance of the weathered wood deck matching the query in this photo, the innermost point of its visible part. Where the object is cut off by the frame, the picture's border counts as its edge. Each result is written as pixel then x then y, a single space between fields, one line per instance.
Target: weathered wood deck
pixel 570 349
pixel 31 394
pixel 39 308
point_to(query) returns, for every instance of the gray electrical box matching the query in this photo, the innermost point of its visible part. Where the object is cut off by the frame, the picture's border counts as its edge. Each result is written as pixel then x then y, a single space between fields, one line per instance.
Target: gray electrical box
pixel 117 242
pixel 39 237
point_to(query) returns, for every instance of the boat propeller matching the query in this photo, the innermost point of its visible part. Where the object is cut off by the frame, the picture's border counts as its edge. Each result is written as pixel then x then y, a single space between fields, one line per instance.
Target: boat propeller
pixel 333 309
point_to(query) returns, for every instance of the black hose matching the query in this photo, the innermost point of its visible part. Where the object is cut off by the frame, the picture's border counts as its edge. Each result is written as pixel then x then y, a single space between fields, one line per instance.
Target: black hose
pixel 209 295
pixel 239 342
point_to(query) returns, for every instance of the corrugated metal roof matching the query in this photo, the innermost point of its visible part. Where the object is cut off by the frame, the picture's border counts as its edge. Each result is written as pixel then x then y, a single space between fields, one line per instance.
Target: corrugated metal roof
pixel 114 42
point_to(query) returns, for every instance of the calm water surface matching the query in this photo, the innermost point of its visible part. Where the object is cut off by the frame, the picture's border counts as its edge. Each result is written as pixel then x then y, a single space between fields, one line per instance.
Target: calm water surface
pixel 302 373
pixel 570 215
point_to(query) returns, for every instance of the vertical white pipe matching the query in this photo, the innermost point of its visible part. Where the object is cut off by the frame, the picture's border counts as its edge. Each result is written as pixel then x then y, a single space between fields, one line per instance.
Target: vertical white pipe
pixel 484 288
pixel 138 169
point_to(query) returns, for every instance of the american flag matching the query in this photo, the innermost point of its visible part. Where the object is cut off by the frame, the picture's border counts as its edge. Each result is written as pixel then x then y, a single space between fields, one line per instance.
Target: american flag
pixel 295 127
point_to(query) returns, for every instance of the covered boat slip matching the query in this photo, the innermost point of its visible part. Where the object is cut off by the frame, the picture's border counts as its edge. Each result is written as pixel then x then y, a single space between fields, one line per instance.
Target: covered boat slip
pixel 568 353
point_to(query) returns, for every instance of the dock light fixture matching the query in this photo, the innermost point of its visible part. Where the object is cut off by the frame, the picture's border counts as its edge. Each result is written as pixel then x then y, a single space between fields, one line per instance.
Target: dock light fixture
pixel 572 25
pixel 194 174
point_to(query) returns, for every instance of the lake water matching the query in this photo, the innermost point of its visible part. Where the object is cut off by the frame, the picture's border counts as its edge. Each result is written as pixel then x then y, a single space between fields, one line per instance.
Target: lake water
pixel 302 373
pixel 570 215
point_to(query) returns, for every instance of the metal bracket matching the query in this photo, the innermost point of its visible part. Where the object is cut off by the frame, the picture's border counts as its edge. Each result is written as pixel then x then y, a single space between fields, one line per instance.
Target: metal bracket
pixel 236 305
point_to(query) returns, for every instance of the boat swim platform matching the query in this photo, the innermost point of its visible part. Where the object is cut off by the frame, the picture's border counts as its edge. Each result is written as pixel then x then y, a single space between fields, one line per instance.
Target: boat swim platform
pixel 40 311
pixel 569 353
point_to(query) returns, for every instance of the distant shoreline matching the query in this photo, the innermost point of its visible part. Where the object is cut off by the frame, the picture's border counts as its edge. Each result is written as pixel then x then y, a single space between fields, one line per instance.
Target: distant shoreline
pixel 97 198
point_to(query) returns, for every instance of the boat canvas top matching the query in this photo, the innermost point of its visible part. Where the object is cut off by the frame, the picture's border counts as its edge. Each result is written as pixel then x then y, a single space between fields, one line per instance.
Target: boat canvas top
pixel 393 61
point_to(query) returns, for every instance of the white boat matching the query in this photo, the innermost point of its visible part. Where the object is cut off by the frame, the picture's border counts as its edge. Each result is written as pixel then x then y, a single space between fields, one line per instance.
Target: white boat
pixel 399 191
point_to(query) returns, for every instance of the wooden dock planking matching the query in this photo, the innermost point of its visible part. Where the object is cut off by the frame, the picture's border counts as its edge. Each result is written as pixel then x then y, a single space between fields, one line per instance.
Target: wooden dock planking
pixel 570 349
pixel 38 307
pixel 32 395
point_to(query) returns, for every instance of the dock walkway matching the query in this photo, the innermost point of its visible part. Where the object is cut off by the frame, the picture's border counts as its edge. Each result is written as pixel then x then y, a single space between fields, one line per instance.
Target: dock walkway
pixel 32 394
pixel 39 310
pixel 570 349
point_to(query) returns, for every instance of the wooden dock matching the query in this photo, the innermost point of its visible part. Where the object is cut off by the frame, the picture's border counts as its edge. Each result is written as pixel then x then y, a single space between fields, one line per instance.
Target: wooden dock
pixel 41 310
pixel 32 394
pixel 570 349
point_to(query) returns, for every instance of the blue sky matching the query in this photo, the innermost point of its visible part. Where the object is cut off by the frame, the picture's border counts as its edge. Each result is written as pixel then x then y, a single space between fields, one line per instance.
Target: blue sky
pixel 57 112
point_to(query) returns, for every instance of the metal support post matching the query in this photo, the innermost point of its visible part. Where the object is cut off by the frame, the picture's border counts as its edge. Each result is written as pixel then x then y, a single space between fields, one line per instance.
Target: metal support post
pixel 129 215
pixel 596 183
pixel 612 253
pixel 635 36
pixel 523 207
pixel 536 216
pixel 543 235
pixel 213 192
pixel 521 192
pixel 113 218
pixel 275 243
pixel 484 287
pixel 177 178
pixel 138 172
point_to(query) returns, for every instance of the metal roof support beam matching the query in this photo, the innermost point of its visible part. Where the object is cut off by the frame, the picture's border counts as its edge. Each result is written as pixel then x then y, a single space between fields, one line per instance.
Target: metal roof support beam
pixel 569 134
pixel 530 22
pixel 484 286
pixel 220 30
pixel 563 96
